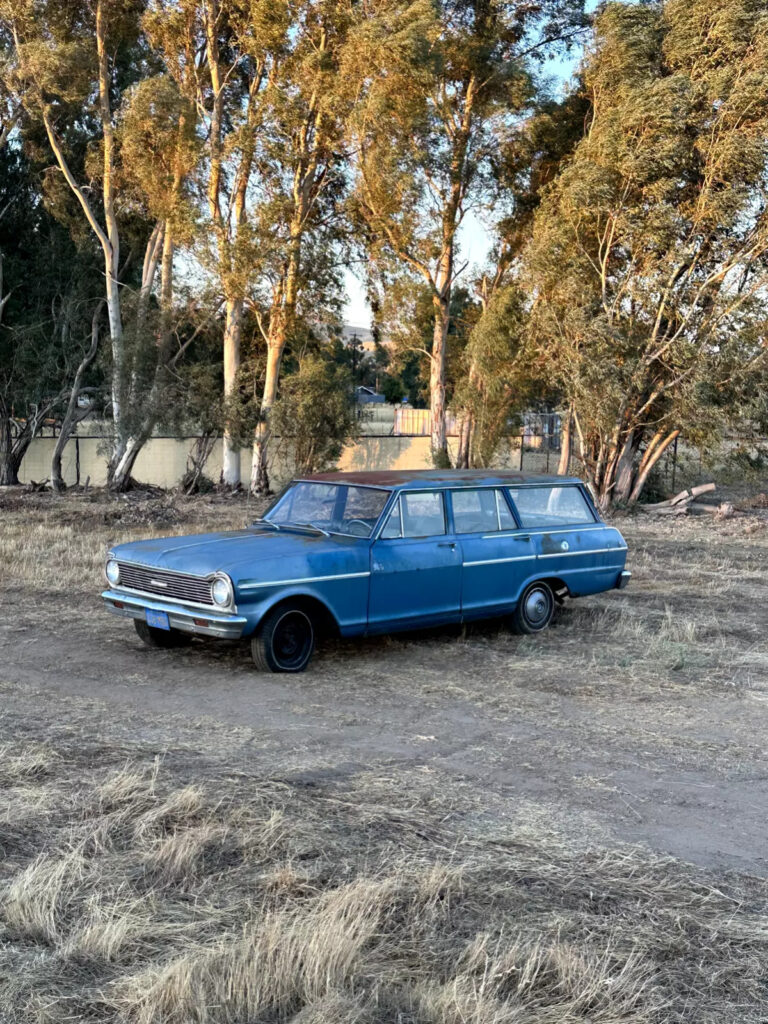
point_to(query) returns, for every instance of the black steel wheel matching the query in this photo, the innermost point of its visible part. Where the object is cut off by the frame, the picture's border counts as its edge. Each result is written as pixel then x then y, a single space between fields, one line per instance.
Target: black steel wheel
pixel 153 637
pixel 284 640
pixel 535 608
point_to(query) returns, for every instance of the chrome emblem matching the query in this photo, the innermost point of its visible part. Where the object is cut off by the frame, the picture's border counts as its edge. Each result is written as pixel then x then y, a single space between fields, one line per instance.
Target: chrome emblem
pixel 158 583
pixel 564 545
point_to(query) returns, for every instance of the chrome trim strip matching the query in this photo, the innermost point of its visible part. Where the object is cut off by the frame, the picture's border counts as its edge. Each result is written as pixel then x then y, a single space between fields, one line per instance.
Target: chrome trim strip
pixel 555 529
pixel 498 561
pixel 599 568
pixel 590 551
pixel 304 579
pixel 558 554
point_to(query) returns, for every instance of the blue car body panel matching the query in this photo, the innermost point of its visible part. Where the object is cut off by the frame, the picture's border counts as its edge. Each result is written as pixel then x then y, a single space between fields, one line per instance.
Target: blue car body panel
pixel 379 584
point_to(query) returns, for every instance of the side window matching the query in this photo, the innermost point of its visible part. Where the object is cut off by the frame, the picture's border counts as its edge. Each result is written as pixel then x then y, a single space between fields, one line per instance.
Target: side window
pixel 481 511
pixel 392 525
pixel 423 513
pixel 551 506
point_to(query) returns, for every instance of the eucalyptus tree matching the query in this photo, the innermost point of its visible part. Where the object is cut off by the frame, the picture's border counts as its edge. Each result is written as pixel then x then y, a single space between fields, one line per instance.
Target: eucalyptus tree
pixel 441 83
pixel 649 258
pixel 225 56
pixel 497 357
pixel 300 191
pixel 81 65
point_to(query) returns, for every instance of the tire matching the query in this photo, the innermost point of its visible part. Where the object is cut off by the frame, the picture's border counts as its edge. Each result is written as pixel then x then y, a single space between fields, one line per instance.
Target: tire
pixel 161 637
pixel 535 608
pixel 284 640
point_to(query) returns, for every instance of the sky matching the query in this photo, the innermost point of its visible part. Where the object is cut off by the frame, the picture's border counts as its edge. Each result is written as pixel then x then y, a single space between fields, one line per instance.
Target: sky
pixel 475 239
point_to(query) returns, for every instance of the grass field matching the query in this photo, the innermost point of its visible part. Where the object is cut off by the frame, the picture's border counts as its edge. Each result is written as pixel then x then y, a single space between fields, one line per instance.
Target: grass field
pixel 480 851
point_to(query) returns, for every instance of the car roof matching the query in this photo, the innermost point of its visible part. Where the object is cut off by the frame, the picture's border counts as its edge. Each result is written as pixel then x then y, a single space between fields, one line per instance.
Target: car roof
pixel 416 479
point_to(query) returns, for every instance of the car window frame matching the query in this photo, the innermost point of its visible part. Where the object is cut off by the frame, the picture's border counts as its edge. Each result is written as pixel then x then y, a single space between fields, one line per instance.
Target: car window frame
pixel 388 512
pixel 553 524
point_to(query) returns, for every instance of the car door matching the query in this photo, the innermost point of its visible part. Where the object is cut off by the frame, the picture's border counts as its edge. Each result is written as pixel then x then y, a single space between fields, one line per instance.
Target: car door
pixel 415 566
pixel 497 556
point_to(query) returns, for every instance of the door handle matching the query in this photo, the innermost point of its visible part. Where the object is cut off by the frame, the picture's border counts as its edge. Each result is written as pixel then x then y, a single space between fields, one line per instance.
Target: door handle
pixel 447 544
pixel 523 536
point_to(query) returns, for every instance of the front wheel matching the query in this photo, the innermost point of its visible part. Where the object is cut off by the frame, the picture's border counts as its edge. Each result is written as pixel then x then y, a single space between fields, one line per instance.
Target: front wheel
pixel 535 608
pixel 153 637
pixel 284 640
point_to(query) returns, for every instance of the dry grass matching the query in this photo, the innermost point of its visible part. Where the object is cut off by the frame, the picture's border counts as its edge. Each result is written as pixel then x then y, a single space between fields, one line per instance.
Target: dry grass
pixel 58 544
pixel 186 890
pixel 237 899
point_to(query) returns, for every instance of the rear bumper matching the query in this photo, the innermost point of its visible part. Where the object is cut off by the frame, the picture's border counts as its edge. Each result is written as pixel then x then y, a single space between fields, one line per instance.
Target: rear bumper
pixel 200 621
pixel 624 577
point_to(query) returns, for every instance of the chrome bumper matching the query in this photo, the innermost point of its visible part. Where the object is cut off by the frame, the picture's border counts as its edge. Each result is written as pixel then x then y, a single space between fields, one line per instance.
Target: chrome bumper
pixel 624 577
pixel 199 621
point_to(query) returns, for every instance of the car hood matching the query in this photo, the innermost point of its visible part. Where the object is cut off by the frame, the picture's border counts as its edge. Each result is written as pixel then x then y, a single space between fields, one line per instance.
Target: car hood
pixel 234 552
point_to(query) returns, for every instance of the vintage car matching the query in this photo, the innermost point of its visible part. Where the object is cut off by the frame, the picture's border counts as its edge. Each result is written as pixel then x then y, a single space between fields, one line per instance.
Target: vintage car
pixel 379 552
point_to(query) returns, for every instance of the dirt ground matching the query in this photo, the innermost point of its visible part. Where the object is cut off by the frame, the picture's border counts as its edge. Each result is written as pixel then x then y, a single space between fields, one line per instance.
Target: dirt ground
pixel 640 716
pixel 638 721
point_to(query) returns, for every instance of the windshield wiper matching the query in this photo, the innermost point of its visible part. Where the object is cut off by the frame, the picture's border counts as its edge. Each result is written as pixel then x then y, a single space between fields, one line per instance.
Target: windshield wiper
pixel 265 522
pixel 309 526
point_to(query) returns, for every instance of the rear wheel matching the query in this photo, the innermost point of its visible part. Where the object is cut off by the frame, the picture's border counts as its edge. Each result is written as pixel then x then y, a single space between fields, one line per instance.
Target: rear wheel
pixel 535 608
pixel 284 640
pixel 161 637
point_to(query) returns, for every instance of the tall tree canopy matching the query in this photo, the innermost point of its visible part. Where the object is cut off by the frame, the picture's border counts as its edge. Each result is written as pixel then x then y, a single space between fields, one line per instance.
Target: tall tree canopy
pixel 442 82
pixel 649 261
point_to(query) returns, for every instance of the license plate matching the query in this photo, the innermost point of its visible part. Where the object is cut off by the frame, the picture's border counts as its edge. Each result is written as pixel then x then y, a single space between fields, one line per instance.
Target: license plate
pixel 159 620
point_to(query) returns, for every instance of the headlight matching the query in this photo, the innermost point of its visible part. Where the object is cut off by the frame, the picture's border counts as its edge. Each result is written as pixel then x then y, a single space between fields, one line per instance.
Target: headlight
pixel 221 591
pixel 112 571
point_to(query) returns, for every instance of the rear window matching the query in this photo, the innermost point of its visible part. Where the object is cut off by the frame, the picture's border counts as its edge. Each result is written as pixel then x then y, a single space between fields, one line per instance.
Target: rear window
pixel 551 506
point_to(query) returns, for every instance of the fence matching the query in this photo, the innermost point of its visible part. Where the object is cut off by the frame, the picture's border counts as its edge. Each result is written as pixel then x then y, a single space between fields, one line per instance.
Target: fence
pixel 163 460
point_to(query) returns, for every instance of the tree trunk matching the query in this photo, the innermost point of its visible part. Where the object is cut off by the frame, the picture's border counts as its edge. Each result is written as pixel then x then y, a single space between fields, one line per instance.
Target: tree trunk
pixel 120 472
pixel 72 416
pixel 9 468
pixel 625 470
pixel 463 456
pixel 260 465
pixel 233 329
pixel 566 444
pixel 648 465
pixel 439 441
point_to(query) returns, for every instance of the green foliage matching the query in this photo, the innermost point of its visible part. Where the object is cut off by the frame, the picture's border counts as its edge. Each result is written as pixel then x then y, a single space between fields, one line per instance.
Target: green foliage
pixel 51 290
pixel 650 248
pixel 315 416
pixel 500 376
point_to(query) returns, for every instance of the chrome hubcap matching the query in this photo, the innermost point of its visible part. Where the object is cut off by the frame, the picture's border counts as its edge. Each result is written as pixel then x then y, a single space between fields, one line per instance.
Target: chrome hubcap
pixel 536 607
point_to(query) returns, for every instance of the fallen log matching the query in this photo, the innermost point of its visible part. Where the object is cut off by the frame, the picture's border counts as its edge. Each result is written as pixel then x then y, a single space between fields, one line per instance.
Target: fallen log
pixel 681 498
pixel 724 510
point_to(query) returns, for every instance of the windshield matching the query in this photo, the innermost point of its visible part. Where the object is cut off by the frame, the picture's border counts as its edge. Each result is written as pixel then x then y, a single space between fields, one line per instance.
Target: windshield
pixel 337 508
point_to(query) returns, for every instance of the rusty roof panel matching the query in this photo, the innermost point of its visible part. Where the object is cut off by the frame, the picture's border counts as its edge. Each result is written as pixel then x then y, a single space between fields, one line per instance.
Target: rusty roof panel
pixel 414 478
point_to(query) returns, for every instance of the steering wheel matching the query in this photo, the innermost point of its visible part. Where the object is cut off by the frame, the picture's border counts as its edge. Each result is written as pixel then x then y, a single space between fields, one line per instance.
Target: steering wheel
pixel 360 522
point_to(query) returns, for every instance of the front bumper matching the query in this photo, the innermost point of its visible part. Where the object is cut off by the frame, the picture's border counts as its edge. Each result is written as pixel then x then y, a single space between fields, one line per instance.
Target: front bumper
pixel 624 577
pixel 200 621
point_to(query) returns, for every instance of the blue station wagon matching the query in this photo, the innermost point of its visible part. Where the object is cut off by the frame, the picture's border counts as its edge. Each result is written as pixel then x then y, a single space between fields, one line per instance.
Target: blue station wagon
pixel 379 552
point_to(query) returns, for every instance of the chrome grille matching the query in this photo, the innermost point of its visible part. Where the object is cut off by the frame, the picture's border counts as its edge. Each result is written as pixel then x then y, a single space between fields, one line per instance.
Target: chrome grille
pixel 173 585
